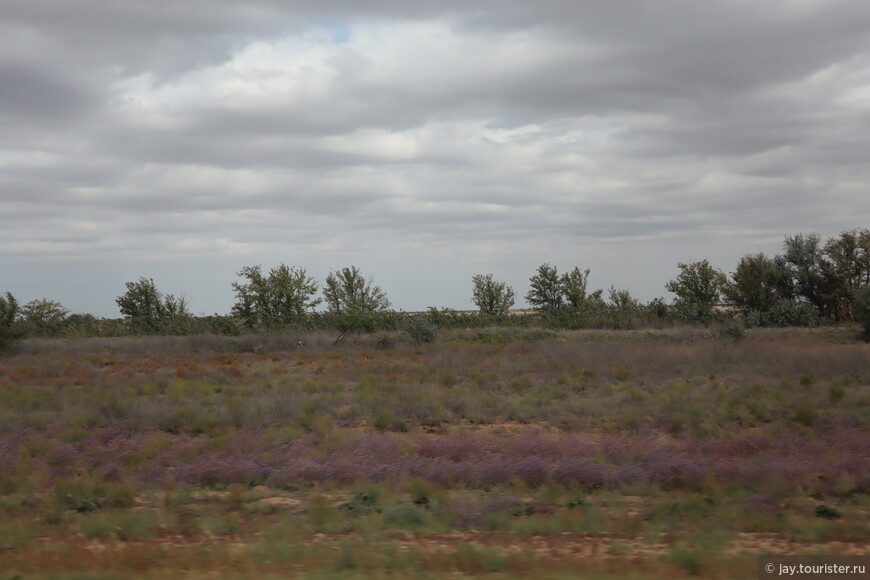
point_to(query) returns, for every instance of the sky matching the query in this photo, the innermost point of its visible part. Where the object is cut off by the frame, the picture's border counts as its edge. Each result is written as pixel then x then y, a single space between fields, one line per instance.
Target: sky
pixel 424 142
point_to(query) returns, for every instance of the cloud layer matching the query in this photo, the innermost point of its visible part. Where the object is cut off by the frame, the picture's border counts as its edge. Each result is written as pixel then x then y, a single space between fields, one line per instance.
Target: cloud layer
pixel 183 141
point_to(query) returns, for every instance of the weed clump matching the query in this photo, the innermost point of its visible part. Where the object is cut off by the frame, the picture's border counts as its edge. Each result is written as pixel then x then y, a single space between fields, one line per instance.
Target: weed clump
pixel 733 330
pixel 827 512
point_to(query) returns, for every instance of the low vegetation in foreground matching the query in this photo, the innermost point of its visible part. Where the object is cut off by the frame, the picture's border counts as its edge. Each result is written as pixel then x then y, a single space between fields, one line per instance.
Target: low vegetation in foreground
pixel 492 453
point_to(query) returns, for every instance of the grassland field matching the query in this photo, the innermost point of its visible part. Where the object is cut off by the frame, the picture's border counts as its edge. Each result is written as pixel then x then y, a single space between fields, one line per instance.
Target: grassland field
pixel 492 453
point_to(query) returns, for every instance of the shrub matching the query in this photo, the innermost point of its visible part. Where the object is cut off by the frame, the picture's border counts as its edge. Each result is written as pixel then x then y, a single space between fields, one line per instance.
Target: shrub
pixel 355 322
pixel 785 313
pixel 420 330
pixel 404 516
pixel 732 329
pixel 827 512
pixel 686 558
pixel 81 325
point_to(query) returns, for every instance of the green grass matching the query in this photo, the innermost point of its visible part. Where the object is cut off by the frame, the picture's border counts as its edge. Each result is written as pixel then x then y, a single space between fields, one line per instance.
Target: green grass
pixel 122 525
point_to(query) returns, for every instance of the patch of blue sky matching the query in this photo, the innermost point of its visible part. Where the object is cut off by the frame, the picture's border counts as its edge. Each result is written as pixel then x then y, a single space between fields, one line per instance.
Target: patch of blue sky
pixel 339 29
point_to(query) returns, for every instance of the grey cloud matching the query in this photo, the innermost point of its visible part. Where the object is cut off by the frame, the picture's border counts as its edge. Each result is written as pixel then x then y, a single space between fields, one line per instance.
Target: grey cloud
pixel 694 127
pixel 39 96
pixel 220 147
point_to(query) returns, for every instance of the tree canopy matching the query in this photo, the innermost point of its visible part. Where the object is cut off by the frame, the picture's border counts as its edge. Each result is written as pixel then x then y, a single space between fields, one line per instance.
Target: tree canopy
pixel 8 315
pixel 280 298
pixel 492 297
pixel 697 288
pixel 347 291
pixel 149 310
pixel 546 289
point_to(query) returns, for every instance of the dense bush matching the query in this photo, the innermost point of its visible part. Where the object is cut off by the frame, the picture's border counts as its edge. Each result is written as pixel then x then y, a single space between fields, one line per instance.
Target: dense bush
pixel 447 318
pixel 421 330
pixel 81 325
pixel 355 321
pixel 621 314
pixel 785 313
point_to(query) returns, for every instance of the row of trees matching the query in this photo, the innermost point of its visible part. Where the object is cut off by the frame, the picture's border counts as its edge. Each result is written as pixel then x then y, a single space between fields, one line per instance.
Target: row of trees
pixel 39 317
pixel 550 293
pixel 283 297
pixel 287 294
pixel 808 279
pixel 827 276
pixel 264 301
pixel 808 282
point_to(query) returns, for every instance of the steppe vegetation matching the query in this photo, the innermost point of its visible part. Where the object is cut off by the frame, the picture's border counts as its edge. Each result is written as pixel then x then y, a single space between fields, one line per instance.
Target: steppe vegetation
pixel 493 452
pixel 595 437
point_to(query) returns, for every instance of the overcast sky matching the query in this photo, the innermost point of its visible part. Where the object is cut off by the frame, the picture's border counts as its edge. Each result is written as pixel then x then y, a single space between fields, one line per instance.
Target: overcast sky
pixel 424 142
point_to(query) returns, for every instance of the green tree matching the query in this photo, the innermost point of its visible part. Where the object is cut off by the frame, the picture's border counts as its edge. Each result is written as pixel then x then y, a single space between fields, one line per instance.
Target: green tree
pixel 150 311
pixel 573 287
pixel 844 264
pixel 802 254
pixel 492 297
pixel 45 317
pixel 546 292
pixel 279 299
pixel 697 289
pixel 9 332
pixel 787 285
pixel 347 292
pixel 756 284
pixel 622 300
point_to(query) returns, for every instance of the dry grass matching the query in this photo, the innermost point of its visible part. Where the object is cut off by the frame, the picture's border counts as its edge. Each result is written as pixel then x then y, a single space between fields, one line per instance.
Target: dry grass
pixel 494 452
